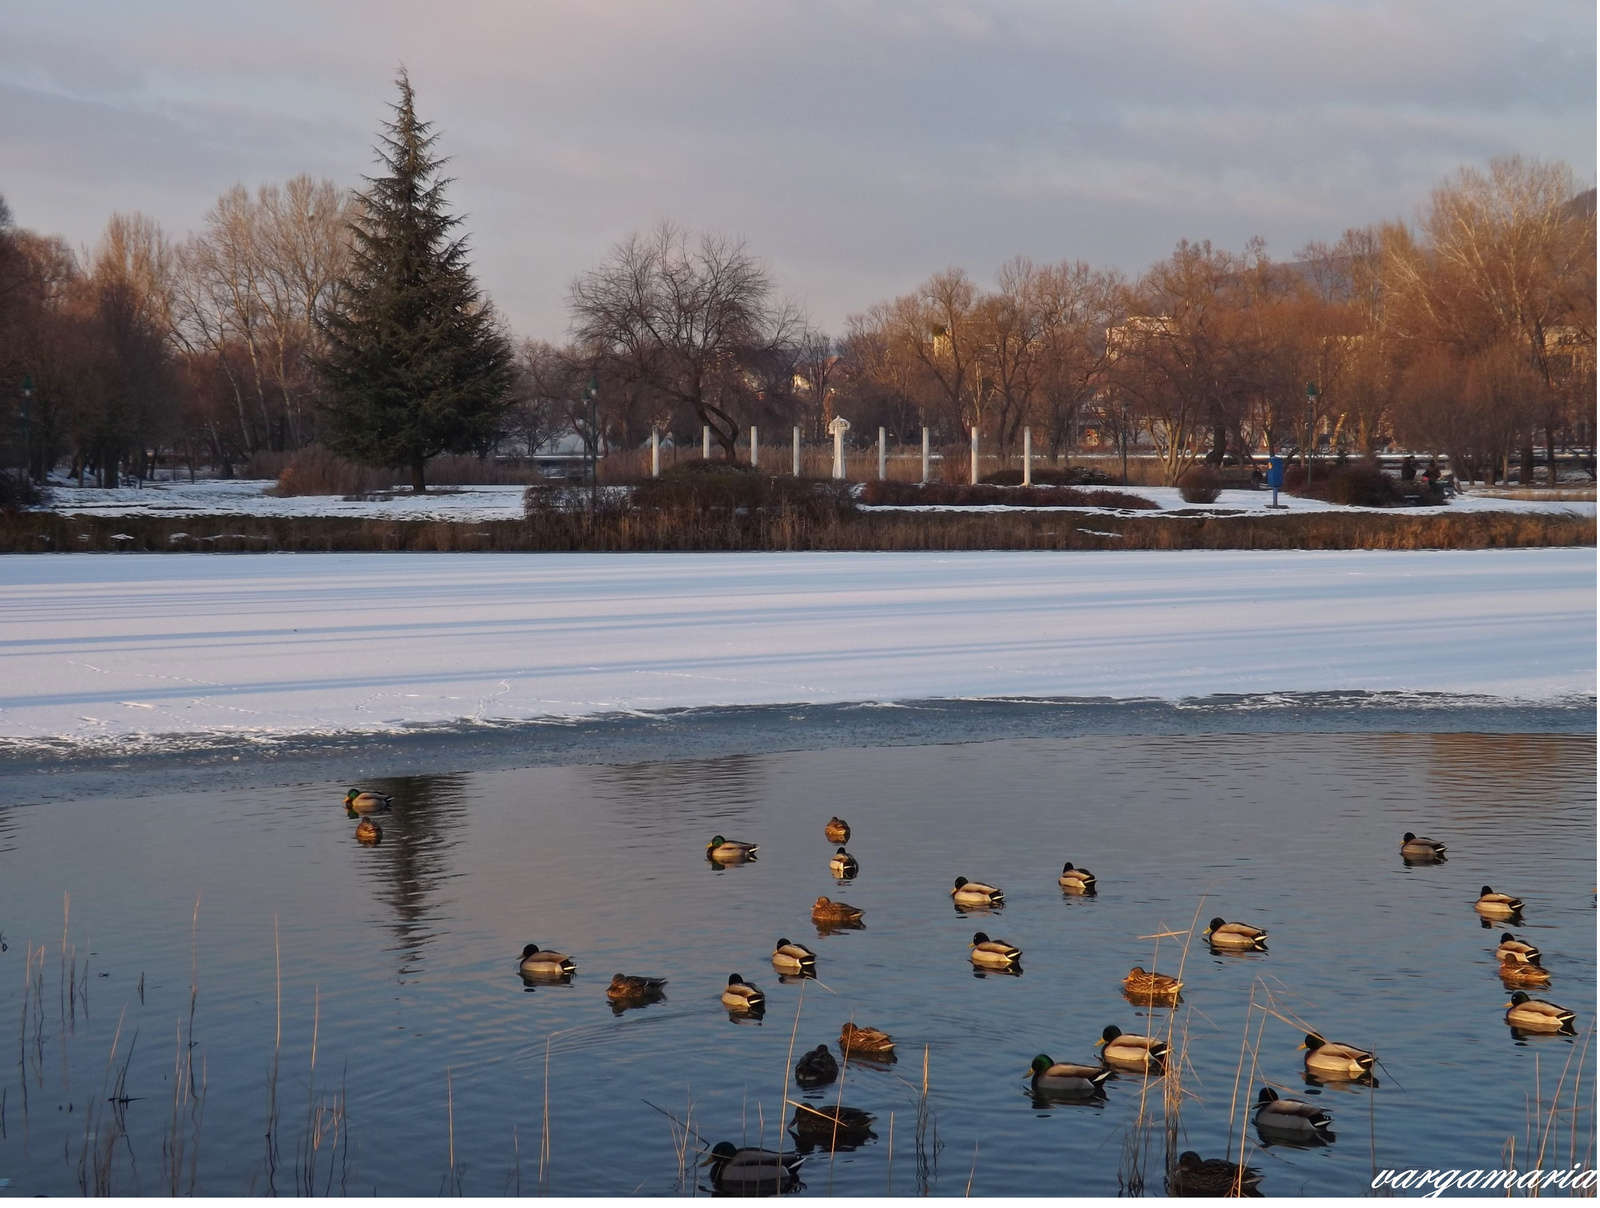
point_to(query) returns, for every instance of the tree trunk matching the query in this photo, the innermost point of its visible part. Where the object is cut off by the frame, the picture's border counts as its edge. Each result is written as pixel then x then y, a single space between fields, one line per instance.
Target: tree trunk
pixel 1527 463
pixel 1550 452
pixel 419 485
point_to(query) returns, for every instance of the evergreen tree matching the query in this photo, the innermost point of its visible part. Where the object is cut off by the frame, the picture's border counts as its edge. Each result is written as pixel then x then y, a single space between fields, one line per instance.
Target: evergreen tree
pixel 415 364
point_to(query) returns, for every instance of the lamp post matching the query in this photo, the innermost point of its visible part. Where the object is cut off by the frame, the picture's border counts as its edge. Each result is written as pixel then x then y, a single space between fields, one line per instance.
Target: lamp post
pixel 589 392
pixel 27 425
pixel 1312 393
pixel 1124 433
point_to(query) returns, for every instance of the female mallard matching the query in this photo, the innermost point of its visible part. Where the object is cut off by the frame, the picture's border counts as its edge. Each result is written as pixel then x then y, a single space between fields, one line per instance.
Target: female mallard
pixel 1291 1118
pixel 1152 988
pixel 369 833
pixel 828 913
pixel 752 1171
pixel 994 954
pixel 1076 880
pixel 820 1125
pixel 1336 1062
pixel 1535 1015
pixel 843 865
pixel 1239 937
pixel 1212 1177
pixel 740 995
pixel 976 893
pixel 868 1042
pixel 1413 847
pixel 837 830
pixel 1143 1053
pixel 816 1068
pixel 630 988
pixel 1514 951
pixel 537 963
pixel 729 851
pixel 794 958
pixel 1497 905
pixel 1065 1079
pixel 365 801
pixel 1524 973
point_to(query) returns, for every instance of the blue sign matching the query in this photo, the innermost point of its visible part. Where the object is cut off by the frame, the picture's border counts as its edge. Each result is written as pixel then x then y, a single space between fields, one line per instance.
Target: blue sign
pixel 1275 472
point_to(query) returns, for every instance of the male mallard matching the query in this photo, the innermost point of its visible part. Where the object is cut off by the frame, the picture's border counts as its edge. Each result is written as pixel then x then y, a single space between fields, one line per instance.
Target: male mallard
pixel 1076 880
pixel 1212 1177
pixel 1535 1015
pixel 837 830
pixel 1240 937
pixel 1065 1079
pixel 630 988
pixel 1524 973
pixel 1336 1062
pixel 1497 905
pixel 1143 1053
pixel 996 954
pixel 729 851
pixel 1514 951
pixel 1291 1118
pixel 867 1041
pixel 1152 988
pixel 1415 848
pixel 843 865
pixel 976 893
pixel 752 1171
pixel 816 1068
pixel 829 913
pixel 794 958
pixel 740 995
pixel 369 833
pixel 365 801
pixel 536 963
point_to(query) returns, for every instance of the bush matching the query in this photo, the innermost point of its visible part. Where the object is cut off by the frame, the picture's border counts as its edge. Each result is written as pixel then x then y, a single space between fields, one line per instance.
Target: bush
pixel 18 491
pixel 1051 476
pixel 1200 484
pixel 706 488
pixel 315 470
pixel 1359 484
pixel 908 493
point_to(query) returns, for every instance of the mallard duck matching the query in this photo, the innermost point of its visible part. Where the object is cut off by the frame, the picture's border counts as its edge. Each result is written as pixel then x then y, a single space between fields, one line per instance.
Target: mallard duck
pixel 837 830
pixel 793 958
pixel 976 893
pixel 994 953
pixel 365 801
pixel 630 988
pixel 751 1171
pixel 740 995
pixel 1212 1177
pixel 1497 905
pixel 835 914
pixel 1143 1053
pixel 867 1041
pixel 1150 987
pixel 1336 1062
pixel 1065 1079
pixel 830 1127
pixel 1240 937
pixel 1413 847
pixel 537 963
pixel 1291 1117
pixel 1535 1015
pixel 729 851
pixel 816 1068
pixel 1524 973
pixel 369 832
pixel 843 865
pixel 1076 880
pixel 1513 951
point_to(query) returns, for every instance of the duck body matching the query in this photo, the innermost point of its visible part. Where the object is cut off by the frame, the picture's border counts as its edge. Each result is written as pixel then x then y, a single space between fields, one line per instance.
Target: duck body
pixel 1535 1015
pixel 740 996
pixel 1291 1118
pixel 995 954
pixel 535 962
pixel 1195 1176
pixel 1076 880
pixel 789 957
pixel 976 893
pixel 368 833
pixel 837 830
pixel 1065 1080
pixel 1497 905
pixel 865 1041
pixel 1154 988
pixel 816 1068
pixel 1145 1054
pixel 631 988
pixel 1514 951
pixel 730 851
pixel 835 914
pixel 1336 1062
pixel 365 801
pixel 752 1171
pixel 1524 973
pixel 1420 850
pixel 1236 937
pixel 843 865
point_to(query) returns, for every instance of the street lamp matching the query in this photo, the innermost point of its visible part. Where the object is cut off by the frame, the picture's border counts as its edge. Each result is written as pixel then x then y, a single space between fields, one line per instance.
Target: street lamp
pixel 27 425
pixel 1124 434
pixel 1312 394
pixel 589 392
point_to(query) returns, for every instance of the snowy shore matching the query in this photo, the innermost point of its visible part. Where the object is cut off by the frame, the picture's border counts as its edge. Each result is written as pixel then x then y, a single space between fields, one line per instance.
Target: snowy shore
pixel 100 647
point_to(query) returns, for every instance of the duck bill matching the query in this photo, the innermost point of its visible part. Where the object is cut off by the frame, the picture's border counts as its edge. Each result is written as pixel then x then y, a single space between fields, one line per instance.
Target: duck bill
pixel 1099 1042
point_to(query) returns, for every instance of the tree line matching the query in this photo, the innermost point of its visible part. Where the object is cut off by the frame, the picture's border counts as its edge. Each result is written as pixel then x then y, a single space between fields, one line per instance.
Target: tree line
pixel 304 313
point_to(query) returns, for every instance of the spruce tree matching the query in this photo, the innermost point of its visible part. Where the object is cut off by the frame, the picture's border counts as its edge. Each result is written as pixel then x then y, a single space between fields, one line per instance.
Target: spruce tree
pixel 415 364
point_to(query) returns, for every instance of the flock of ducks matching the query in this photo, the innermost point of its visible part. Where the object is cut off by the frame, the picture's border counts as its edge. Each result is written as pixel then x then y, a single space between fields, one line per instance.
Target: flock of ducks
pixel 1280 1119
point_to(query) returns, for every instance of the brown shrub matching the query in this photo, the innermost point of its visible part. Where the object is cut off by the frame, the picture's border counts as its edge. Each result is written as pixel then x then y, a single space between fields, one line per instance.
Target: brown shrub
pixel 1359 484
pixel 1051 476
pixel 1200 484
pixel 315 470
pixel 910 493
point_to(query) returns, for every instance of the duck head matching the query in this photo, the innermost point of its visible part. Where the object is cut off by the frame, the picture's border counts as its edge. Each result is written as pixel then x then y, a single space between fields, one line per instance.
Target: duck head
pixel 1312 1042
pixel 735 980
pixel 1214 924
pixel 1518 999
pixel 960 881
pixel 1107 1036
pixel 1268 1095
pixel 1040 1064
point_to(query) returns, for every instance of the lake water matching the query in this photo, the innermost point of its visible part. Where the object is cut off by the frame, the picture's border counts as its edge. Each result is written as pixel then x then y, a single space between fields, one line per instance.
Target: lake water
pixel 208 931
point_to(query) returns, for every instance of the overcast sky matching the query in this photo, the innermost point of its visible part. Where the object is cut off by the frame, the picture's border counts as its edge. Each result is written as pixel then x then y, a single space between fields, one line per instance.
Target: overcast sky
pixel 858 145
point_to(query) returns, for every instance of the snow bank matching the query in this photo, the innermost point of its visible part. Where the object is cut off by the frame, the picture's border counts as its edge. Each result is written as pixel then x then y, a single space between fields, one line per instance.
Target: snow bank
pixel 107 646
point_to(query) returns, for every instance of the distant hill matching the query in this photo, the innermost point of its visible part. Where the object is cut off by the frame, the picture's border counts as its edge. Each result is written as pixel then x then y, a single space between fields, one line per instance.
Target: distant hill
pixel 1582 206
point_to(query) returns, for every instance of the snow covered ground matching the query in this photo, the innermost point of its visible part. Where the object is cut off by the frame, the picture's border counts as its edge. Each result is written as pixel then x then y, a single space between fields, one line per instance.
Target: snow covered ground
pixel 478 503
pixel 106 647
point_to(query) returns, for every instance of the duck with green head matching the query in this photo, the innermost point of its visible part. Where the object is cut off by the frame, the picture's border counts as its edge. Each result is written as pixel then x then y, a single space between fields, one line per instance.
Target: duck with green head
pixel 1535 1015
pixel 1066 1080
pixel 729 851
pixel 365 801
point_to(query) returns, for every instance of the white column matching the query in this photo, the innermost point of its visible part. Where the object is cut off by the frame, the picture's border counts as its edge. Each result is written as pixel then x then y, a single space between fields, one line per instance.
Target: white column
pixel 655 453
pixel 705 442
pixel 755 448
pixel 838 453
pixel 1027 457
pixel 924 452
pixel 883 456
pixel 797 451
pixel 974 454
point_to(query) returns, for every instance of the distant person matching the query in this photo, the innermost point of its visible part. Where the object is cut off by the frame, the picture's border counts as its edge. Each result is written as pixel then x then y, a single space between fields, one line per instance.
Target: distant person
pixel 1431 474
pixel 1257 478
pixel 1408 469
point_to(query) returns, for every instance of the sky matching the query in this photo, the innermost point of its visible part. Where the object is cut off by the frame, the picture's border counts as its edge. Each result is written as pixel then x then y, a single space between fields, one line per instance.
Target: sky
pixel 858 146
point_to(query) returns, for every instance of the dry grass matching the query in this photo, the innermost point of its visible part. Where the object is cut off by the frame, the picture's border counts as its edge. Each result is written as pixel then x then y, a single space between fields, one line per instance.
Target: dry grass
pixel 315 470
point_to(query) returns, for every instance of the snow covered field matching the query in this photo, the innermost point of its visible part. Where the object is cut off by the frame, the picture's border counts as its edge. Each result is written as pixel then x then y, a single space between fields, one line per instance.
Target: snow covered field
pixel 101 647
pixel 472 504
